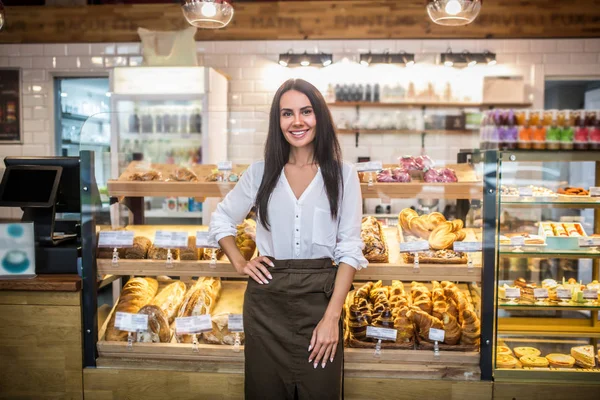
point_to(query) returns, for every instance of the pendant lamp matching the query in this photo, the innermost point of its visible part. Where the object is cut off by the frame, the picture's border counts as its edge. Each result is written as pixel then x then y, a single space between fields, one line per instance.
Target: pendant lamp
pixel 1 15
pixel 207 14
pixel 453 12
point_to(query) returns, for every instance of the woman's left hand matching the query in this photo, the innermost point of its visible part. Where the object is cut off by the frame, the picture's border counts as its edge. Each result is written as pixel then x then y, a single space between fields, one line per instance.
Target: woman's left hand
pixel 324 341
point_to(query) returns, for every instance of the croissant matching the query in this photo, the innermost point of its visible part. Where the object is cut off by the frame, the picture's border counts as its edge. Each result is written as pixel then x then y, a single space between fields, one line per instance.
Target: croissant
pixel 381 304
pixel 424 303
pixel 446 284
pixel 364 307
pixel 398 284
pixel 381 292
pixel 357 323
pixel 442 237
pixel 364 291
pixel 424 322
pixel 385 320
pixel 438 294
pixel 405 327
pixel 439 308
pixel 451 329
pixel 471 328
pixel 405 217
pixel 459 298
pixel 452 308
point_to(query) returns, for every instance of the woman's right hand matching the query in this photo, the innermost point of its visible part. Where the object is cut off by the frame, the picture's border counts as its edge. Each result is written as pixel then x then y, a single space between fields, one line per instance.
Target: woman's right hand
pixel 256 269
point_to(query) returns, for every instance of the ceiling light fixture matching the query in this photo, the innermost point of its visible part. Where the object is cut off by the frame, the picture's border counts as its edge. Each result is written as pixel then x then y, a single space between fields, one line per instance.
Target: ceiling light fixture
pixel 305 60
pixel 453 12
pixel 465 58
pixel 207 14
pixel 408 59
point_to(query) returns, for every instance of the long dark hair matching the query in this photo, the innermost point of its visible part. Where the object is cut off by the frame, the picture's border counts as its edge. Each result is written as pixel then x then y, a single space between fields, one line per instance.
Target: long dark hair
pixel 327 152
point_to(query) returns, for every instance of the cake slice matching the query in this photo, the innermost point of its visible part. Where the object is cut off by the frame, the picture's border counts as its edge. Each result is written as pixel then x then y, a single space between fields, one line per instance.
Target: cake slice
pixel 584 356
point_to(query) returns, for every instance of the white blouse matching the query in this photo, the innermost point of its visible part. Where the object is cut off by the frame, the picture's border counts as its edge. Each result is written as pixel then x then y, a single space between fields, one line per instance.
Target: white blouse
pixel 300 228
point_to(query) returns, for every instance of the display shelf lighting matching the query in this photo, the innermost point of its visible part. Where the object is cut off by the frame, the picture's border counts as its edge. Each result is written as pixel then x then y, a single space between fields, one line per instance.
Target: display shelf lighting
pixel 207 14
pixel 453 12
pixel 407 59
pixel 305 60
pixel 466 58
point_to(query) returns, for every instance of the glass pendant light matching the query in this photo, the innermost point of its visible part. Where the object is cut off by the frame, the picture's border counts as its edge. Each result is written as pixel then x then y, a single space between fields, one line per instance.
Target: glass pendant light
pixel 207 14
pixel 1 15
pixel 453 12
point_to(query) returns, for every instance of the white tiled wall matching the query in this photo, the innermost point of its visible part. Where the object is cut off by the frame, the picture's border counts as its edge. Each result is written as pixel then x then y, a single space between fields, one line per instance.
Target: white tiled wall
pixel 255 75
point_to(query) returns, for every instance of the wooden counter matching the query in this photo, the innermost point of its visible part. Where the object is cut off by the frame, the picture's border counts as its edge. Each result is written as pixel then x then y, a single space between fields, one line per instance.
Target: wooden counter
pixel 40 338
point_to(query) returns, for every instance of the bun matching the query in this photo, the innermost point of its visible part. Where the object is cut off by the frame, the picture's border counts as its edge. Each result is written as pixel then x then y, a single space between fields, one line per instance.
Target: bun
pixel 442 238
pixel 405 217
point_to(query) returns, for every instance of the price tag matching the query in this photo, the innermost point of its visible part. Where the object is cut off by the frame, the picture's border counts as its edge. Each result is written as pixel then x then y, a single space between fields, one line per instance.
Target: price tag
pixel 467 247
pixel 114 239
pixel 369 166
pixel 513 293
pixel 517 241
pixel 525 192
pixel 563 294
pixel 417 245
pixel 382 333
pixel 171 240
pixel 236 323
pixel 589 242
pixel 595 191
pixel 202 240
pixel 225 166
pixel 131 322
pixel 193 325
pixel 436 335
pixel 590 294
pixel 540 293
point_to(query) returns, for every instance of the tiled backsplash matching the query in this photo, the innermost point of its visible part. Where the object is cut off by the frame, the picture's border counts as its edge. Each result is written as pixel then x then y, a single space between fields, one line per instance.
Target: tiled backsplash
pixel 255 75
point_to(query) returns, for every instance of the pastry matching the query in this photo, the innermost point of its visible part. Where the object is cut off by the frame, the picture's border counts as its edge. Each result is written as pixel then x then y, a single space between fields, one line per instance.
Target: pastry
pixel 404 325
pixel 471 328
pixel 158 326
pixel 451 329
pixel 526 351
pixel 364 291
pixel 169 299
pixel 503 351
pixel 371 233
pixel 433 220
pixel 191 252
pixel 150 175
pixel 560 360
pixel 534 361
pixel 423 322
pixel 404 218
pixel 357 323
pixel 418 227
pixel 244 239
pixel 384 320
pixel 442 237
pixel 505 361
pixel 136 293
pixel 184 175
pixel 364 307
pixel 584 356
pixel 140 248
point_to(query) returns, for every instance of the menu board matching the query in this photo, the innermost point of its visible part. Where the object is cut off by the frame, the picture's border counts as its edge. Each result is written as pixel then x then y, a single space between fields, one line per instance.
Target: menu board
pixel 10 105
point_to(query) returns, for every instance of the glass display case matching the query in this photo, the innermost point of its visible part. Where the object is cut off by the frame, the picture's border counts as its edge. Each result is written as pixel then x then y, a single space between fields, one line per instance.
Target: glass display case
pixel 547 291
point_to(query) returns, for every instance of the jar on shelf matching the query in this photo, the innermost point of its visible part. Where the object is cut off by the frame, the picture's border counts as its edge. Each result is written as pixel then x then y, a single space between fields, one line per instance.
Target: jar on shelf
pixel 538 136
pixel 553 132
pixel 548 117
pixel 525 137
pixel 521 116
pixel 581 138
pixel 534 118
pixel 567 135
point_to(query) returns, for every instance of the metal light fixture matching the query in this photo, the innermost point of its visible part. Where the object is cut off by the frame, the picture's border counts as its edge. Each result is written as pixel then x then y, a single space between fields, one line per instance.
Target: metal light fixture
pixel 407 59
pixel 305 60
pixel 453 12
pixel 465 58
pixel 207 14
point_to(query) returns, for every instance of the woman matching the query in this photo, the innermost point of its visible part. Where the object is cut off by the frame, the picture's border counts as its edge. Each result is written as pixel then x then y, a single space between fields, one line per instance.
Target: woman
pixel 309 209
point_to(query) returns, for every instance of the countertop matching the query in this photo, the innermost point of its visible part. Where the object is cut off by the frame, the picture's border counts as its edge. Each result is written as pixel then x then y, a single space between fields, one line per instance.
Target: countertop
pixel 44 283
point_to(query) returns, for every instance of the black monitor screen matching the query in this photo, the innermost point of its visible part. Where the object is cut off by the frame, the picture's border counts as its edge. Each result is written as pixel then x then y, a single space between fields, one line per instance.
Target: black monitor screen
pixel 29 186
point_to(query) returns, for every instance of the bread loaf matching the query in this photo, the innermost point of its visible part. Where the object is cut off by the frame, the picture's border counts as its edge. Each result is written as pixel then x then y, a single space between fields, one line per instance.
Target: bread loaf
pixel 231 301
pixel 136 293
pixel 200 299
pixel 244 239
pixel 191 252
pixel 140 248
pixel 158 326
pixel 169 299
pixel 372 235
pixel 159 253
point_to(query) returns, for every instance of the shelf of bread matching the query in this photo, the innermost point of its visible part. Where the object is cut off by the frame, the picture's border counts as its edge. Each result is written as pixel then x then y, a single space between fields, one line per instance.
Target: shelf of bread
pixel 564 197
pixel 549 295
pixel 144 259
pixel 149 179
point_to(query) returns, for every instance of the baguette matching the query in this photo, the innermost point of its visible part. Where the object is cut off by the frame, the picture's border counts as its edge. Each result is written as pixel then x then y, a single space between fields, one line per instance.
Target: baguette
pixel 200 299
pixel 169 299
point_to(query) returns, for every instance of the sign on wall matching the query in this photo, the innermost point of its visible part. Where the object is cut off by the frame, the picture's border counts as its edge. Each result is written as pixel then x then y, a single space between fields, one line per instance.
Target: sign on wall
pixel 10 106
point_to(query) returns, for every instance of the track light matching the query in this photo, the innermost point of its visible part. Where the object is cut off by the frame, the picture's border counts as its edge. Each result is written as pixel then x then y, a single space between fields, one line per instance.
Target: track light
pixel 490 58
pixel 407 59
pixel 450 59
pixel 305 59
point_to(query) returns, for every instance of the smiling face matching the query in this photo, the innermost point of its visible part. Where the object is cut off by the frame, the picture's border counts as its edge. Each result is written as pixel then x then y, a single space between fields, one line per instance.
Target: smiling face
pixel 297 119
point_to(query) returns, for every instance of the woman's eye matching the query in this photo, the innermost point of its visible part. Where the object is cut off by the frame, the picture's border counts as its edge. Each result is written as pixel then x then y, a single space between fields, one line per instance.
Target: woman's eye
pixel 286 114
pixel 307 112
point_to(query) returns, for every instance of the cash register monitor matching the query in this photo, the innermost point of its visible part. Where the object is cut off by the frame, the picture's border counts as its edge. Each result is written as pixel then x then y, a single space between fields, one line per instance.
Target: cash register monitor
pixel 30 186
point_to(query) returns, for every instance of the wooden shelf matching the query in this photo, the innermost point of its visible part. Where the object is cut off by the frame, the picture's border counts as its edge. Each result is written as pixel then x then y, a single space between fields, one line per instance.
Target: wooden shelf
pixel 405 131
pixel 429 104
pixel 423 190
pixel 168 189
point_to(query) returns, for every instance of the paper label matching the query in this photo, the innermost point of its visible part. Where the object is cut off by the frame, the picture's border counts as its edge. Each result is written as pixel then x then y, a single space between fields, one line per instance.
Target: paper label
pixel 589 241
pixel 235 323
pixel 517 241
pixel 467 247
pixel 225 166
pixel 417 245
pixel 114 239
pixel 202 240
pixel 382 333
pixel 513 293
pixel 436 335
pixel 525 191
pixel 131 322
pixel 193 325
pixel 540 293
pixel 590 294
pixel 369 166
pixel 594 191
pixel 563 293
pixel 171 240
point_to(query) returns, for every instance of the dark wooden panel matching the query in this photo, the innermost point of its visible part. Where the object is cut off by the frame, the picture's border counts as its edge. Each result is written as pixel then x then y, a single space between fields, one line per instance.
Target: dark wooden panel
pixel 44 283
pixel 305 20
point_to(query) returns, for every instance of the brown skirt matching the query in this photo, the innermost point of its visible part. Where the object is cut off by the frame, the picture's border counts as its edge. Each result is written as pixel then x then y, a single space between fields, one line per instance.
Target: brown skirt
pixel 279 319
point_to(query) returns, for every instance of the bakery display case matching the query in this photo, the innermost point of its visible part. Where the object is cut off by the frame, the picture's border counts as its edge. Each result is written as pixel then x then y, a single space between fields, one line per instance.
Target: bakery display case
pixel 424 279
pixel 547 271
